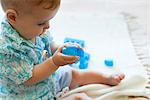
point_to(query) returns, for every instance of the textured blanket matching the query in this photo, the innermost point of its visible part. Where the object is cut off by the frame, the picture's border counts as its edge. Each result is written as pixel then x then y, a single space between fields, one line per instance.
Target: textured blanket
pixel 111 38
pixel 133 86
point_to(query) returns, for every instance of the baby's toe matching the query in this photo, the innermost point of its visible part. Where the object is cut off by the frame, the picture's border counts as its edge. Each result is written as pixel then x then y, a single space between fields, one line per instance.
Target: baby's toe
pixel 117 79
pixel 121 76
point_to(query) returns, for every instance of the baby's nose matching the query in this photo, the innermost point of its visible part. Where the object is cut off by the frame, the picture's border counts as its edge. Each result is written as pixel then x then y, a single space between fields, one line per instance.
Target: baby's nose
pixel 47 25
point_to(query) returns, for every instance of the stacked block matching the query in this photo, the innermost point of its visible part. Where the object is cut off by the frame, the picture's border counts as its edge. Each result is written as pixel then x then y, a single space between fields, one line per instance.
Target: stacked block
pixel 75 51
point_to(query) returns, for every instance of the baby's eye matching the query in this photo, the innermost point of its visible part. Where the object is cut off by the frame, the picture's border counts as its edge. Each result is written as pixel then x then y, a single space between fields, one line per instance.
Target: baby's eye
pixel 41 24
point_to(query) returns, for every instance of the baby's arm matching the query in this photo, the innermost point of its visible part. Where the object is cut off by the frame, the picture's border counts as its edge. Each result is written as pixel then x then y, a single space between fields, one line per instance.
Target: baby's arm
pixel 54 47
pixel 45 69
pixel 42 71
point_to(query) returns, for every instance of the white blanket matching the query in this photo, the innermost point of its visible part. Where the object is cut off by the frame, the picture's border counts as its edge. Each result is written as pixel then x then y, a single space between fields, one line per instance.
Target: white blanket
pixel 106 36
pixel 133 86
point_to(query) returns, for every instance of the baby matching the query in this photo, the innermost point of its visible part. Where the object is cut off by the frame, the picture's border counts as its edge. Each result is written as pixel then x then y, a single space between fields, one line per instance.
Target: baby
pixel 24 70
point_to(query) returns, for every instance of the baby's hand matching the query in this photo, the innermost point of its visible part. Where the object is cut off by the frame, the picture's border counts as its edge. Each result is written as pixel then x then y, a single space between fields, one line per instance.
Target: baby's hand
pixel 72 44
pixel 60 59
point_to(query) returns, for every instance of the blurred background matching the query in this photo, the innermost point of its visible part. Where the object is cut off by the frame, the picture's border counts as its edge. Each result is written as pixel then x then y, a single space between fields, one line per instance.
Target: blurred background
pixel 139 8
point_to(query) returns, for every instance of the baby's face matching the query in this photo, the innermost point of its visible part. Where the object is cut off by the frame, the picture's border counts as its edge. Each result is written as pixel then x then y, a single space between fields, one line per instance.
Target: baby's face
pixel 31 25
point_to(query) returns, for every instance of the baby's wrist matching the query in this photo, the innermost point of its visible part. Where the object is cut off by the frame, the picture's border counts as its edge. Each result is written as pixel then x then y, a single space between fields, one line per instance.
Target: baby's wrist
pixel 53 63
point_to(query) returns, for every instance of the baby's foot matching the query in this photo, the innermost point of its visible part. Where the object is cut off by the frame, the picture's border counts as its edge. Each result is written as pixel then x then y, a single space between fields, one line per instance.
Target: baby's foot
pixel 115 79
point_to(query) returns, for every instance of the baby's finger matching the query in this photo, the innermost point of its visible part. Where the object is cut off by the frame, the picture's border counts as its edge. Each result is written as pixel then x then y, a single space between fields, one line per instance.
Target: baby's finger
pixel 70 58
pixel 63 46
pixel 121 76
pixel 77 45
pixel 68 44
pixel 59 49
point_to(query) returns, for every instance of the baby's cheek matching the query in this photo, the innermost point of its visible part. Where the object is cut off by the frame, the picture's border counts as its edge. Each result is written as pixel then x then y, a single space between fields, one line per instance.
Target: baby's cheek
pixel 38 32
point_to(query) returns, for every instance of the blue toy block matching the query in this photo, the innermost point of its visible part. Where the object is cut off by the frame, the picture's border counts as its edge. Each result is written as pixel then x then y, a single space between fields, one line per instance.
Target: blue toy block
pixel 72 40
pixel 83 62
pixel 73 51
pixel 109 62
pixel 83 65
pixel 86 56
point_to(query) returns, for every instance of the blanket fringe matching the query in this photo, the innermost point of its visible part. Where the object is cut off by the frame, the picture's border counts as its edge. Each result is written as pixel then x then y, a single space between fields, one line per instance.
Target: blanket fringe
pixel 140 41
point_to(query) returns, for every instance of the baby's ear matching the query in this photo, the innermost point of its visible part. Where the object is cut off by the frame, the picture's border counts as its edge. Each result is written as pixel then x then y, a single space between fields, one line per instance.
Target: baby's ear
pixel 11 15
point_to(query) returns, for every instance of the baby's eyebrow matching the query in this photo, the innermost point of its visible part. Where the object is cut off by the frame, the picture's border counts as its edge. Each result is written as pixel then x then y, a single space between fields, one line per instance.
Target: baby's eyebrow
pixel 47 20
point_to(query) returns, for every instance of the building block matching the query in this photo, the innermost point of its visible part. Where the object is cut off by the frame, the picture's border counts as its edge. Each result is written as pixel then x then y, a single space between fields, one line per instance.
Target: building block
pixel 109 62
pixel 73 40
pixel 83 61
pixel 73 51
pixel 86 56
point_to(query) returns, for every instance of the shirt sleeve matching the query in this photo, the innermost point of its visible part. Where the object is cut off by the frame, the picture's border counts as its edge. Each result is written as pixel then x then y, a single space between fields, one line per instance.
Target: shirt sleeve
pixel 15 69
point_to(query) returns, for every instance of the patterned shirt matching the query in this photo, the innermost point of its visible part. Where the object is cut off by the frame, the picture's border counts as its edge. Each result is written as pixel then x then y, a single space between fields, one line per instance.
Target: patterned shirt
pixel 17 59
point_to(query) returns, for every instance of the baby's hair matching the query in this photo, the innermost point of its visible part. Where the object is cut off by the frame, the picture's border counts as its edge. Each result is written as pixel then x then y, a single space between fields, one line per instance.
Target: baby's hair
pixel 18 4
pixel 48 4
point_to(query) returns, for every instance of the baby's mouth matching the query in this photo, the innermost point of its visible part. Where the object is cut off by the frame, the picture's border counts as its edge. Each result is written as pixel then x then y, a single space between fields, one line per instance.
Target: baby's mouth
pixel 44 32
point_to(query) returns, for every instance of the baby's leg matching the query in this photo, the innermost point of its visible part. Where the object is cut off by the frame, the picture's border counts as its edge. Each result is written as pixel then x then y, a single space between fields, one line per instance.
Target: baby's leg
pixel 83 77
